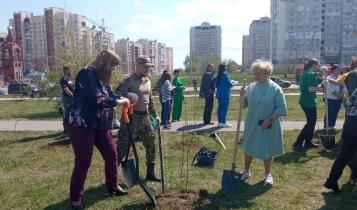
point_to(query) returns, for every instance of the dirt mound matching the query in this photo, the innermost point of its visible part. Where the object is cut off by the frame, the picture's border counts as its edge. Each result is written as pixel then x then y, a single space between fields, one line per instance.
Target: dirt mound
pixel 185 199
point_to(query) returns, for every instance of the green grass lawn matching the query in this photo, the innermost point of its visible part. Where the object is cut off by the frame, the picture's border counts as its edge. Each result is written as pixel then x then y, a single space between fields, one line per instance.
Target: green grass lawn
pixel 35 171
pixel 194 109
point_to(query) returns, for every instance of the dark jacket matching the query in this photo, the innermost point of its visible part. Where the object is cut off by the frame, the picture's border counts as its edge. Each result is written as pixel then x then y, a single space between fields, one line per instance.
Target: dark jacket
pixel 207 85
pixel 93 102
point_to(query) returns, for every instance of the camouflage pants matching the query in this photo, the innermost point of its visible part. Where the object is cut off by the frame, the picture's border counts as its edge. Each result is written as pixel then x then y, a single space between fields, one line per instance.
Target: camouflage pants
pixel 142 131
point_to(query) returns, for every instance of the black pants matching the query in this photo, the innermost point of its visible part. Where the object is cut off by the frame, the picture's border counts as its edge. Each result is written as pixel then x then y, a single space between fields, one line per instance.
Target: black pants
pixel 208 108
pixel 348 149
pixel 307 132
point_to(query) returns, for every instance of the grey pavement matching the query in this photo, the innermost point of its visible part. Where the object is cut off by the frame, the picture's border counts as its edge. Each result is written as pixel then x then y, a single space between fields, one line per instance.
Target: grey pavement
pixel 155 96
pixel 56 125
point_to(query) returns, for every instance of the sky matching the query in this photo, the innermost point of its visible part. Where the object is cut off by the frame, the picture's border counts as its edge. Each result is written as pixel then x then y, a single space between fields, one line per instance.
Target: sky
pixel 167 21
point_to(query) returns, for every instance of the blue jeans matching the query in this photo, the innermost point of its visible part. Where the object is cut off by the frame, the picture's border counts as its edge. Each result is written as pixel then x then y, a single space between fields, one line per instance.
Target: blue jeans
pixel 222 110
pixel 334 107
pixel 166 112
pixel 307 132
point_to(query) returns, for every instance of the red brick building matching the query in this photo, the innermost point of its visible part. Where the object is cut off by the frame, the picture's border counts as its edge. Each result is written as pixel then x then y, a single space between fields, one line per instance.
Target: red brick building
pixel 11 60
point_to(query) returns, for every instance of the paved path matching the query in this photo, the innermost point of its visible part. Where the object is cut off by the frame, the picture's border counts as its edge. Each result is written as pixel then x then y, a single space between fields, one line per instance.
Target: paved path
pixel 155 96
pixel 56 125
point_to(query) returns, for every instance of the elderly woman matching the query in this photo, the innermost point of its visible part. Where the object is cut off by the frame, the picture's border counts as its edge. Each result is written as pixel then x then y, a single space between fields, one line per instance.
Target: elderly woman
pixel 263 133
pixel 89 120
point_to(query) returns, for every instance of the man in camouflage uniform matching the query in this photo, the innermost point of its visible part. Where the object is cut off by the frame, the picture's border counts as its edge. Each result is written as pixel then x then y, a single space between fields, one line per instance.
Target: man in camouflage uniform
pixel 140 84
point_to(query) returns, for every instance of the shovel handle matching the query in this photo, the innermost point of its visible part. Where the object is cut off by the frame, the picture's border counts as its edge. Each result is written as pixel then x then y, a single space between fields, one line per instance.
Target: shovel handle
pixel 236 142
pixel 161 157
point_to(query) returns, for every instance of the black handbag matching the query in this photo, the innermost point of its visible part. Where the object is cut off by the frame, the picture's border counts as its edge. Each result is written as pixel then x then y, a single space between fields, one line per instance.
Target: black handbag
pixel 205 157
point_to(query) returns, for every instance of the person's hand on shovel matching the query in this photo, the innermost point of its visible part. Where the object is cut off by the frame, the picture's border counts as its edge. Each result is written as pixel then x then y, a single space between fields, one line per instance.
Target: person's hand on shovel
pixel 123 101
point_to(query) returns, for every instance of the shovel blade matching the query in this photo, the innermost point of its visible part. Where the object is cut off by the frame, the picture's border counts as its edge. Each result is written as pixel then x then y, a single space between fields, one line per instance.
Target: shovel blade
pixel 129 172
pixel 230 180
pixel 149 192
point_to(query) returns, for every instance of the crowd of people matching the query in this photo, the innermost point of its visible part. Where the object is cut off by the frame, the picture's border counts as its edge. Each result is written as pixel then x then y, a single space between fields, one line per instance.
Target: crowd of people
pixel 89 114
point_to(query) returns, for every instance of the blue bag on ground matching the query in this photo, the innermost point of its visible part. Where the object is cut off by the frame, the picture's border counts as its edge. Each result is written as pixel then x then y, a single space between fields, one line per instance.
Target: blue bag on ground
pixel 205 157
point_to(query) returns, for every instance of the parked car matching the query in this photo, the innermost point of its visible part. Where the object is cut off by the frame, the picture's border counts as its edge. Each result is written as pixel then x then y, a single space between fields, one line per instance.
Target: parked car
pixel 26 89
pixel 280 82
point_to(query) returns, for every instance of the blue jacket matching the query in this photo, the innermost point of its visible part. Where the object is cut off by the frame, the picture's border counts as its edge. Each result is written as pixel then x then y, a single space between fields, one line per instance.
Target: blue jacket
pixel 224 87
pixel 93 102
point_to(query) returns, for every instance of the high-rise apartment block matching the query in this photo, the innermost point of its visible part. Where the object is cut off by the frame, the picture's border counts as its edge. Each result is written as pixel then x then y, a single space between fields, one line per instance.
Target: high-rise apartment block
pixel 206 44
pixel 246 53
pixel 257 44
pixel 323 29
pixel 42 37
pixel 160 55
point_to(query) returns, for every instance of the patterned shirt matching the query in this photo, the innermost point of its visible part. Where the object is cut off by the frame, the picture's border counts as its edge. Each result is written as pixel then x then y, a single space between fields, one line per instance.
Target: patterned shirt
pixel 93 102
pixel 352 104
pixel 166 91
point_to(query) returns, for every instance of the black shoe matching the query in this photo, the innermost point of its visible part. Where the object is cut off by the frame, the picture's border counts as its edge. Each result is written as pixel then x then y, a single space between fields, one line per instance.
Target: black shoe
pixel 166 127
pixel 150 173
pixel 117 191
pixel 332 186
pixel 208 123
pixel 298 147
pixel 310 145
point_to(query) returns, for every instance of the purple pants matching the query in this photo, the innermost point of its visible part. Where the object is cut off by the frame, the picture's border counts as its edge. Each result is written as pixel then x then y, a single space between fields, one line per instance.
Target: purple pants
pixel 83 140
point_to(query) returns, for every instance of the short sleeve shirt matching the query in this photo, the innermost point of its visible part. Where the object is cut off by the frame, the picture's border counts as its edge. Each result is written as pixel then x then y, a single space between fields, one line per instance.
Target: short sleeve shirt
pixel 66 82
pixel 308 79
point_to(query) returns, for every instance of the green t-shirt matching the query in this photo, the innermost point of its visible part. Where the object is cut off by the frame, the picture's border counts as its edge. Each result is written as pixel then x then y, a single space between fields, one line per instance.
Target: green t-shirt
pixel 308 79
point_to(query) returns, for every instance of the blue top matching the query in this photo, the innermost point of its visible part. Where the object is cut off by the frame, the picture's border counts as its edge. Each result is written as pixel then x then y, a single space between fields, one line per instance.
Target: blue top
pixel 93 102
pixel 264 99
pixel 224 87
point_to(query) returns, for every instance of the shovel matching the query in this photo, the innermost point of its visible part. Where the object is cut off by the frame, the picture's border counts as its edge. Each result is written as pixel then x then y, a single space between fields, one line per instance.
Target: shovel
pixel 231 178
pixel 161 158
pixel 128 167
pixel 133 170
pixel 327 140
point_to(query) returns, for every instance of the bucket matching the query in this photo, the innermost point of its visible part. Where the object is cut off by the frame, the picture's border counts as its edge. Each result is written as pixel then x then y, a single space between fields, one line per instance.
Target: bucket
pixel 328 141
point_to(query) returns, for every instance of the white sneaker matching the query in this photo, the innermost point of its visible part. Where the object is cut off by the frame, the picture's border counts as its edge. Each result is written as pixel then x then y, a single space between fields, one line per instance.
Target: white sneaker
pixel 244 175
pixel 226 125
pixel 268 180
pixel 220 124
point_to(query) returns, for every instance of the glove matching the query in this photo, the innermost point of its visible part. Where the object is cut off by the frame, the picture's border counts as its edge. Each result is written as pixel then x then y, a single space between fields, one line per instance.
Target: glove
pixel 123 101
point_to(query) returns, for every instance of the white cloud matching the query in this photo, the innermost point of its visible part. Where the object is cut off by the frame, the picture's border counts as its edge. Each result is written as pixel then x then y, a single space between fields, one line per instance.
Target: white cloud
pixel 138 3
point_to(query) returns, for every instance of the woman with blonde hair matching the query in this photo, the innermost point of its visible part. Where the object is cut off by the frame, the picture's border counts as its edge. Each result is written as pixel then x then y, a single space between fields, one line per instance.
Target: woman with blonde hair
pixel 263 133
pixel 89 122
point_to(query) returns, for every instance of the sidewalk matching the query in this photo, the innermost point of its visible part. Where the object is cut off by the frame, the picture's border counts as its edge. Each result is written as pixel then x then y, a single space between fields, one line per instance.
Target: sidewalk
pixel 56 125
pixel 155 96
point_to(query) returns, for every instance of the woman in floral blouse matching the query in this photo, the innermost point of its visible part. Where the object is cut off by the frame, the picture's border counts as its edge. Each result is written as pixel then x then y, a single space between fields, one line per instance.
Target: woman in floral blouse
pixel 89 121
